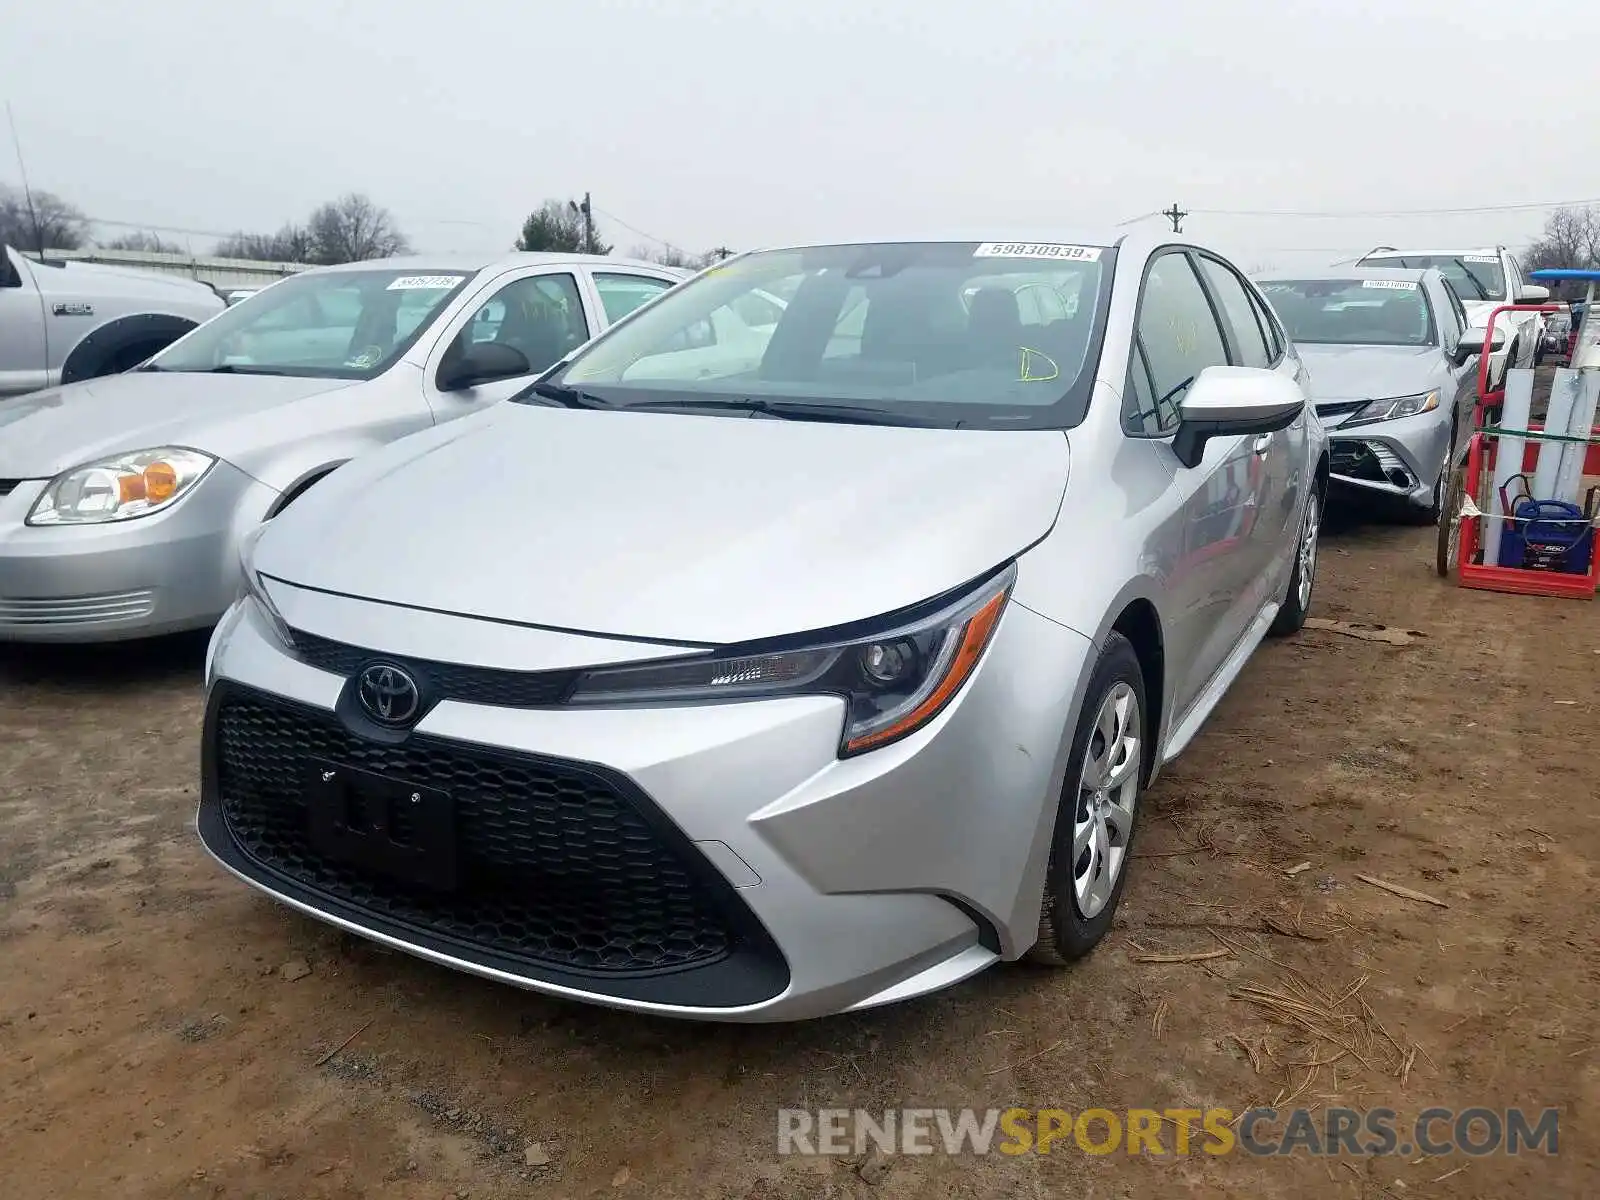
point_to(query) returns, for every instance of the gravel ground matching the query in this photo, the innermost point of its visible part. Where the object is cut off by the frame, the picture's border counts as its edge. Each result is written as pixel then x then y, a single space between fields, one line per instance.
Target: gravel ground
pixel 166 1032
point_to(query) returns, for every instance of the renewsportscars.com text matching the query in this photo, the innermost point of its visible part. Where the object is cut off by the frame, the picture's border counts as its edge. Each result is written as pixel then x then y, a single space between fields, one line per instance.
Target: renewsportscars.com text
pixel 1213 1131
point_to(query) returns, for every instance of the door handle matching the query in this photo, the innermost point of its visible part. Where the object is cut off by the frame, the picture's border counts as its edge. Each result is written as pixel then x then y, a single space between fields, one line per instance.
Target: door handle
pixel 1262 444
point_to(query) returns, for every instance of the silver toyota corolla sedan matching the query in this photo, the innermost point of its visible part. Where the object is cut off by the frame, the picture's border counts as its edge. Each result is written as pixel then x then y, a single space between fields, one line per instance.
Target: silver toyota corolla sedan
pixel 1394 375
pixel 775 676
pixel 122 499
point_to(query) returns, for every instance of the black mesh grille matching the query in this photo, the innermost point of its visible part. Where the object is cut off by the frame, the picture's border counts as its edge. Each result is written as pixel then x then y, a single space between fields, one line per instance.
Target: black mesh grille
pixel 449 681
pixel 558 866
pixel 7 486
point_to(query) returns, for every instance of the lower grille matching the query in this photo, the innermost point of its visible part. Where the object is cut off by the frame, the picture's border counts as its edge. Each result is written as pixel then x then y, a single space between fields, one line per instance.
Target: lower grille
pixel 560 866
pixel 1369 462
pixel 78 610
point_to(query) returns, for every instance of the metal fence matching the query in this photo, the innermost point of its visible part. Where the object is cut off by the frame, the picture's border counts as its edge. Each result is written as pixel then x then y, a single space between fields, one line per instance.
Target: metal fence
pixel 222 273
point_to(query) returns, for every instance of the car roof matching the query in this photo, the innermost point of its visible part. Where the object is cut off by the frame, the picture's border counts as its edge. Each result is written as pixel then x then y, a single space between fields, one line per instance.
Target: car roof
pixel 1132 241
pixel 1391 252
pixel 429 263
pixel 1395 274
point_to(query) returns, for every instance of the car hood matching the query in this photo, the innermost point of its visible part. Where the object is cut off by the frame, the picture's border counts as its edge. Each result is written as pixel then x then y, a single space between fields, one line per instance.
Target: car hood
pixel 669 527
pixel 1344 373
pixel 43 433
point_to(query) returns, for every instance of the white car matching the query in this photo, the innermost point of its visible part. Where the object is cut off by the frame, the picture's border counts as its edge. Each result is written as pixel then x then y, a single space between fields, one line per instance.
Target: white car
pixel 1485 278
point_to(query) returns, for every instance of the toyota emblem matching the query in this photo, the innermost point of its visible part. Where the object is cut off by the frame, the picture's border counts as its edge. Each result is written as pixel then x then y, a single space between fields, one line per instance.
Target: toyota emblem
pixel 389 694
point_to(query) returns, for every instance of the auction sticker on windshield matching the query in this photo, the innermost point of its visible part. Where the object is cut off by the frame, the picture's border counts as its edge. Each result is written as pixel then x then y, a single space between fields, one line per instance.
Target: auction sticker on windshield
pixel 1393 285
pixel 1486 258
pixel 408 283
pixel 1037 250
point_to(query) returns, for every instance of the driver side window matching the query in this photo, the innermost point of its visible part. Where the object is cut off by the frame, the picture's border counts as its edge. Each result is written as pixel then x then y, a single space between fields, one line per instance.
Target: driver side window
pixel 1178 336
pixel 540 315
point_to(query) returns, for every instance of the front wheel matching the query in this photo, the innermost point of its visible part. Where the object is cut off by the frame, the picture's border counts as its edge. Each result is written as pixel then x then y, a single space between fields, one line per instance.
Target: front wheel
pixel 1297 601
pixel 1099 804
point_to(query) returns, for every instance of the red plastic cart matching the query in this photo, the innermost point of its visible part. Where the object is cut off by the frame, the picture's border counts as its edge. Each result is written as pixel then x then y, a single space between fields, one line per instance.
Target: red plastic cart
pixel 1461 526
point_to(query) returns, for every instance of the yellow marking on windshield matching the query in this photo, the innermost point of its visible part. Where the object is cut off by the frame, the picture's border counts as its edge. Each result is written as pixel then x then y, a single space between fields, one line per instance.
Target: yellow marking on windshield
pixel 1025 366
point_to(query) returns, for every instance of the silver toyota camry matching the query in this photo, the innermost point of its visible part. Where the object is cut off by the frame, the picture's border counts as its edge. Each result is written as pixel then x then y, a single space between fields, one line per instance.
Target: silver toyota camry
pixel 767 676
pixel 123 498
pixel 1394 375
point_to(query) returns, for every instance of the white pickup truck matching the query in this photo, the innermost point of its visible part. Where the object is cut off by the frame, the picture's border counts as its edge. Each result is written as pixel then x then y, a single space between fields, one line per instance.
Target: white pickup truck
pixel 65 321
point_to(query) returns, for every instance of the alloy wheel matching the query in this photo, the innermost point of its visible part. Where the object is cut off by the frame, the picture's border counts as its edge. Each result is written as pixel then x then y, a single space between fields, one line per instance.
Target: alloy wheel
pixel 1108 789
pixel 1308 551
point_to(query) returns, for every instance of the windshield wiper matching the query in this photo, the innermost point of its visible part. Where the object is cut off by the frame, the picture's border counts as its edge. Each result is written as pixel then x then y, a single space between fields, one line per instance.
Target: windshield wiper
pixel 567 397
pixel 1483 293
pixel 786 410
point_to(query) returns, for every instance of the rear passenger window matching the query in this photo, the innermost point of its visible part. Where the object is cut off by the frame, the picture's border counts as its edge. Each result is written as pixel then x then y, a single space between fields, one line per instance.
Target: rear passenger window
pixel 1249 342
pixel 1179 335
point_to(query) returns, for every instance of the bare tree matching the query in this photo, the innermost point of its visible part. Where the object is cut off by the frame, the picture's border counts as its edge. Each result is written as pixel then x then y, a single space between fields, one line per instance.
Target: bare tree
pixel 50 223
pixel 353 229
pixel 292 243
pixel 1571 238
pixel 556 226
pixel 139 240
pixel 671 256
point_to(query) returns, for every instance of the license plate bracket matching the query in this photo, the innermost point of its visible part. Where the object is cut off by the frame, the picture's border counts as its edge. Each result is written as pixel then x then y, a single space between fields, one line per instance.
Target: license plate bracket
pixel 386 825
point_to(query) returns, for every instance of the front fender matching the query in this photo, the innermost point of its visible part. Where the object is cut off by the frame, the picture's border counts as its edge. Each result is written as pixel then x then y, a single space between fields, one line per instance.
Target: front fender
pixel 95 350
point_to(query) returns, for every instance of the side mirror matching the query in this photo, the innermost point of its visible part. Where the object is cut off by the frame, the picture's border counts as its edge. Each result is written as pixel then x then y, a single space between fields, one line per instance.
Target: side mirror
pixel 1471 342
pixel 482 362
pixel 1534 293
pixel 1234 402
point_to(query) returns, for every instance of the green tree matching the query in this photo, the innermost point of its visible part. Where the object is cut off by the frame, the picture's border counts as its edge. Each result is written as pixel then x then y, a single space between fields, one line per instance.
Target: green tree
pixel 557 226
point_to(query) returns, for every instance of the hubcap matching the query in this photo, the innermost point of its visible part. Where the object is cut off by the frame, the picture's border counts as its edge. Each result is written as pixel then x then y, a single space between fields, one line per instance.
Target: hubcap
pixel 1107 791
pixel 1308 552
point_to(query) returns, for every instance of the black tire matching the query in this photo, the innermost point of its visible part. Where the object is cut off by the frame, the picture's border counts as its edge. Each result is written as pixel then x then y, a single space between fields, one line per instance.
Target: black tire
pixel 1065 934
pixel 1292 615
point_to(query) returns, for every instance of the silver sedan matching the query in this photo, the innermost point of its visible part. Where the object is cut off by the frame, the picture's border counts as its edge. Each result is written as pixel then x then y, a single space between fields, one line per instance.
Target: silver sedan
pixel 123 499
pixel 764 677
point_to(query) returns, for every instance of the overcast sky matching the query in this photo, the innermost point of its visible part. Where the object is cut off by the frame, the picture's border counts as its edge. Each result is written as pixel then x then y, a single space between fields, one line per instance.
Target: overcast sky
pixel 741 124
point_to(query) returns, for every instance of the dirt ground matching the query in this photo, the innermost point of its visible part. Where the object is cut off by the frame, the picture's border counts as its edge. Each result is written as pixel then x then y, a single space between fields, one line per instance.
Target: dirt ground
pixel 155 1042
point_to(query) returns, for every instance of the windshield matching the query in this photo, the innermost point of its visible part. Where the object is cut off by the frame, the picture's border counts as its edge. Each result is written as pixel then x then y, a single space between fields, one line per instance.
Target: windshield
pixel 1352 312
pixel 341 324
pixel 939 333
pixel 1474 276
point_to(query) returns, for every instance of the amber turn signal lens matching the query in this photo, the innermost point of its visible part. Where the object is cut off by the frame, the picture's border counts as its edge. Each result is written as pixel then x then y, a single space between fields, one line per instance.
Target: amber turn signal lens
pixel 160 482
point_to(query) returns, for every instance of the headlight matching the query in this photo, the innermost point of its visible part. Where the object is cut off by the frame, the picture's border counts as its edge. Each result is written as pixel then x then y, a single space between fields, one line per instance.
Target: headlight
pixel 120 488
pixel 893 682
pixel 255 590
pixel 1397 406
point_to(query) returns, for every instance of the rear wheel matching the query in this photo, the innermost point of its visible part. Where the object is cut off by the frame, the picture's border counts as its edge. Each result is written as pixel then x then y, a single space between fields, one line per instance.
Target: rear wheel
pixel 1099 807
pixel 1297 601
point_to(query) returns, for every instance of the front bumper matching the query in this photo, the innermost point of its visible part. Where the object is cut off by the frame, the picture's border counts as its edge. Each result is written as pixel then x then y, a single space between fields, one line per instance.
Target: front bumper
pixel 167 572
pixel 801 884
pixel 1401 459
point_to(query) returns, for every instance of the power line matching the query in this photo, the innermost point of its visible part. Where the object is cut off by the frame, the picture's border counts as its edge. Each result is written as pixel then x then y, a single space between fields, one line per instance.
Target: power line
pixel 649 237
pixel 1409 212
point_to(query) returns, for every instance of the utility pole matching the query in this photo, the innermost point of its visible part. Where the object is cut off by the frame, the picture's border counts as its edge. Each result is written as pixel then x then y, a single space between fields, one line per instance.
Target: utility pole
pixel 722 252
pixel 1176 216
pixel 587 209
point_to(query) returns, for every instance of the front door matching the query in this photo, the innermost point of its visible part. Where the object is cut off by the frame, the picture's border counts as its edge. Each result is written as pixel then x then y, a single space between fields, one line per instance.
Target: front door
pixel 539 311
pixel 1211 555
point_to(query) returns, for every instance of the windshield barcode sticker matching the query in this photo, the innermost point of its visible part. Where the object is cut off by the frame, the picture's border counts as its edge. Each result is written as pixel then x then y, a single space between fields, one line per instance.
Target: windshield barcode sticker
pixel 1393 285
pixel 1485 258
pixel 408 283
pixel 1037 250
